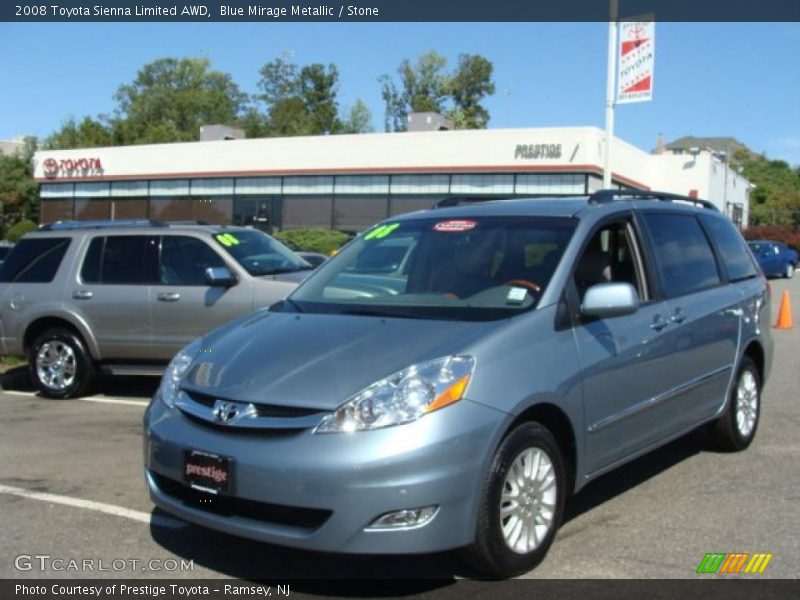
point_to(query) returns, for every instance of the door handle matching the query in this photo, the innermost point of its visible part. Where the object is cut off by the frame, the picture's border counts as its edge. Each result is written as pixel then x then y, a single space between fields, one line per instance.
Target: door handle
pixel 169 296
pixel 82 294
pixel 658 323
pixel 678 316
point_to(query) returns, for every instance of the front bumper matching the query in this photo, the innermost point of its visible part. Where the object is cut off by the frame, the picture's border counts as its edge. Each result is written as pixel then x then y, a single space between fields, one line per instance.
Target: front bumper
pixel 440 460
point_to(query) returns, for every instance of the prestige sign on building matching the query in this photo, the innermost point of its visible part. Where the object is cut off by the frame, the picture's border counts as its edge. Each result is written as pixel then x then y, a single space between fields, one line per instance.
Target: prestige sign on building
pixel 636 55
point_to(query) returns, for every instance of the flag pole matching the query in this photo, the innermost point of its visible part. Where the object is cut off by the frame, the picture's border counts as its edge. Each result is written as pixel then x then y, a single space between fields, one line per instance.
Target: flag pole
pixel 610 91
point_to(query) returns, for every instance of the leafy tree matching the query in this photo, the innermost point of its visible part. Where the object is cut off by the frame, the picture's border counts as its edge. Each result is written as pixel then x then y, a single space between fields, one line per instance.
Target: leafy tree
pixel 299 101
pixel 19 199
pixel 426 86
pixel 358 119
pixel 423 87
pixel 171 98
pixel 776 196
pixel 87 133
pixel 469 85
pixel 318 91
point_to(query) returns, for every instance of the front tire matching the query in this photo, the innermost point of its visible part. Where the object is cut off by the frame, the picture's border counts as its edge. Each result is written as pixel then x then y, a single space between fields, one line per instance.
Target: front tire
pixel 59 365
pixel 521 506
pixel 789 271
pixel 736 427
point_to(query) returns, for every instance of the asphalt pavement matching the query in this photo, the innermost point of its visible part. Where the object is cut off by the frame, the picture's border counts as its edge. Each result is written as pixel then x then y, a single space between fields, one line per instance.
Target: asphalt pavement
pixel 71 488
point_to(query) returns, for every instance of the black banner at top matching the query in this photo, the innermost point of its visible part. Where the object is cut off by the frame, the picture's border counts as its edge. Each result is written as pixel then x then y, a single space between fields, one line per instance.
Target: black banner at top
pixel 393 10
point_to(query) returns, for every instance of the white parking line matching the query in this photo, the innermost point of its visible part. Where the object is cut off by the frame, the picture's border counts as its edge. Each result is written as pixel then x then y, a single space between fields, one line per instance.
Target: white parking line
pixel 112 400
pixel 109 509
pixel 98 399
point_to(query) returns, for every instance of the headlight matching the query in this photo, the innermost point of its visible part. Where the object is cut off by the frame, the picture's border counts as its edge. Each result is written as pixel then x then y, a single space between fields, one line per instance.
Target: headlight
pixel 403 397
pixel 177 368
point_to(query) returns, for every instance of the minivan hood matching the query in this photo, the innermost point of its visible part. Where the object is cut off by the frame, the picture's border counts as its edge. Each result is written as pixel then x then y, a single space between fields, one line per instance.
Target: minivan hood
pixel 318 361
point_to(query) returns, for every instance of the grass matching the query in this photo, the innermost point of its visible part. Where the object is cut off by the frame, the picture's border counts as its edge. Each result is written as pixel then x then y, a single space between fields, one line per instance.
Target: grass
pixel 13 361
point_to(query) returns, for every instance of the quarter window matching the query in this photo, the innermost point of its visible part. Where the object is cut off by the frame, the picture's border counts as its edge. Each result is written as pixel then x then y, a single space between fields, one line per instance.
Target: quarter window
pixel 732 248
pixel 683 254
pixel 35 260
pixel 184 260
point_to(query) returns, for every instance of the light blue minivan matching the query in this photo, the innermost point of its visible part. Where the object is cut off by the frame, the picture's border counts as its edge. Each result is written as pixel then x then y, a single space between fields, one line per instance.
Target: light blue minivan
pixel 455 398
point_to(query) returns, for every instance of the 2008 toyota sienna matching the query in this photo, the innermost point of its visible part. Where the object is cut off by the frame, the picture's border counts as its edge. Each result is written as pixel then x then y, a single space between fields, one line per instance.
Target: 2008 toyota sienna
pixel 524 348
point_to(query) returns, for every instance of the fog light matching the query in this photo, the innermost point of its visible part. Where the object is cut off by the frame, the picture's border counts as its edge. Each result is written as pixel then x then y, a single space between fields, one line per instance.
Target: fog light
pixel 411 517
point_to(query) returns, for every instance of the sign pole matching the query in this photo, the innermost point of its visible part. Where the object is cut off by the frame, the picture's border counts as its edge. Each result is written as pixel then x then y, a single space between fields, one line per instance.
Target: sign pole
pixel 610 92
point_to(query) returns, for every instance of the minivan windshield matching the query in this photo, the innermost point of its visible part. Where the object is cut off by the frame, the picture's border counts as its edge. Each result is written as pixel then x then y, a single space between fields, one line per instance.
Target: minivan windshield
pixel 260 254
pixel 480 268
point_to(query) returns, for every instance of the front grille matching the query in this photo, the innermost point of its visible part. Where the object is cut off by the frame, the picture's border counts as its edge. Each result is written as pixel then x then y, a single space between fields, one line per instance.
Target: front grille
pixel 264 410
pixel 272 432
pixel 230 506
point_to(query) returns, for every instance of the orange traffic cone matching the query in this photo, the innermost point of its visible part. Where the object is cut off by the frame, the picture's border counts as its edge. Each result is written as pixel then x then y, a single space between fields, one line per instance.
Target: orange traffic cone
pixel 785 313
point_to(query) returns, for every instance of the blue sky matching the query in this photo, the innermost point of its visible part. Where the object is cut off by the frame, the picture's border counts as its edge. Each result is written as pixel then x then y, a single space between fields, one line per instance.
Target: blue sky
pixel 737 79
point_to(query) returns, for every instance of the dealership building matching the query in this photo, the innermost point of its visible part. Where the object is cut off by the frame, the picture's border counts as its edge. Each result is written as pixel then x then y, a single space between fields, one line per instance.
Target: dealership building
pixel 349 182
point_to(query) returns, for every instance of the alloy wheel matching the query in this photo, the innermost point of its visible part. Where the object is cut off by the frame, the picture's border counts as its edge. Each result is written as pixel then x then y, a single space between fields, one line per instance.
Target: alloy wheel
pixel 56 365
pixel 746 403
pixel 528 500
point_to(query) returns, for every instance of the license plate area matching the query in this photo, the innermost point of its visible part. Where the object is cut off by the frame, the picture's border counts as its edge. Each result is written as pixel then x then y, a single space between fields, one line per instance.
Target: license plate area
pixel 207 472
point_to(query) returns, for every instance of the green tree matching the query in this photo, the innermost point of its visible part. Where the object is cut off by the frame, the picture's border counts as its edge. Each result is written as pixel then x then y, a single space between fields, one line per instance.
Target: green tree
pixel 19 198
pixel 776 196
pixel 358 119
pixel 423 86
pixel 426 86
pixel 171 98
pixel 87 133
pixel 469 85
pixel 299 101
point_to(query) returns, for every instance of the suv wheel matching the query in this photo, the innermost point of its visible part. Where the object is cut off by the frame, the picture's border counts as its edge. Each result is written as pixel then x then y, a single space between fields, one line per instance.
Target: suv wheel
pixel 522 504
pixel 789 272
pixel 736 428
pixel 60 366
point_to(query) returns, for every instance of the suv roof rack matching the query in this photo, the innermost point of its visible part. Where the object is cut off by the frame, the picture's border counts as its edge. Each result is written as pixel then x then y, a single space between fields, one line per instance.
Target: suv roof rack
pixel 604 196
pixel 100 224
pixel 116 224
pixel 456 200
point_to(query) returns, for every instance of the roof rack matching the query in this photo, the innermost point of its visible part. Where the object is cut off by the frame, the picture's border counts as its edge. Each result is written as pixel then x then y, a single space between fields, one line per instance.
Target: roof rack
pixel 116 224
pixel 604 196
pixel 456 200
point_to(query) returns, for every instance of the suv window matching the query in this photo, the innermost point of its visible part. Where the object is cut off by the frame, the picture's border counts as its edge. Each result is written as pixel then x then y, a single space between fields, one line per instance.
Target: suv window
pixel 121 260
pixel 184 260
pixel 732 248
pixel 612 255
pixel 34 260
pixel 683 253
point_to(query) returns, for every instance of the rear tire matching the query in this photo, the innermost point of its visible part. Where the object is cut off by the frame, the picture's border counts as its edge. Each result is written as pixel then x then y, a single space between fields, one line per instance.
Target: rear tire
pixel 59 365
pixel 521 506
pixel 735 429
pixel 789 271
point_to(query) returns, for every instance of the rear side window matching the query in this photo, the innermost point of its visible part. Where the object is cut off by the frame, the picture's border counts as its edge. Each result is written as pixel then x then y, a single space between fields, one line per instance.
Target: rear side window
pixel 34 260
pixel 683 254
pixel 121 260
pixel 732 248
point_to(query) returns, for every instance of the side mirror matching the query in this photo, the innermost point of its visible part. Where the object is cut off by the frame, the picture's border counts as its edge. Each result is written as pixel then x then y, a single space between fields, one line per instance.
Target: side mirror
pixel 220 277
pixel 606 300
